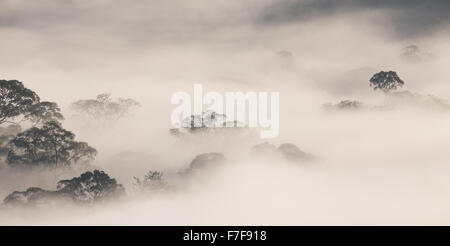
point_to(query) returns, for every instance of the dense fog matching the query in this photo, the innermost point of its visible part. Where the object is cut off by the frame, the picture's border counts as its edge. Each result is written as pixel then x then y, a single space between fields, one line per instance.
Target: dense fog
pixel 380 161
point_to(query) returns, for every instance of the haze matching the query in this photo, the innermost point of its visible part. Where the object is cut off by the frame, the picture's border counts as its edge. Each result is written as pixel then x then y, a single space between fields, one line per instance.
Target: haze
pixel 373 167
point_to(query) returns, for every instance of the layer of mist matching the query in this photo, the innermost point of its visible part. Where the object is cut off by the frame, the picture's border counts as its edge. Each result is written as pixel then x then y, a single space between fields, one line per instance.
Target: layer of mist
pixel 386 163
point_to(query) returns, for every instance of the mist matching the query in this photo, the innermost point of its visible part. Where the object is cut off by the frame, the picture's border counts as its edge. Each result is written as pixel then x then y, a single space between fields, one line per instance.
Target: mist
pixel 386 164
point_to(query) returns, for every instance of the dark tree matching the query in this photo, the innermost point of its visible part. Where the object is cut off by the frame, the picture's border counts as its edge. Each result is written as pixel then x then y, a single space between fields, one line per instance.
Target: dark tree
pixel 15 100
pixel 88 188
pixel 42 112
pixel 386 81
pixel 49 145
pixel 4 148
pixel 31 196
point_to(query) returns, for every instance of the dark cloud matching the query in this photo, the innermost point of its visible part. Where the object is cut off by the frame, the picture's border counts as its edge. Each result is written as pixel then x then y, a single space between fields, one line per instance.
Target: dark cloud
pixel 187 20
pixel 159 20
pixel 403 17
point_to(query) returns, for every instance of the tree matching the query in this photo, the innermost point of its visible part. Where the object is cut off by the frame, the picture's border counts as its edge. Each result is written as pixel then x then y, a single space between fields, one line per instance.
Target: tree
pixel 88 188
pixel 50 145
pixel 31 196
pixel 292 153
pixel 207 123
pixel 153 180
pixel 104 107
pixel 6 135
pixel 42 112
pixel 16 100
pixel 386 81
pixel 287 150
pixel 205 160
pixel 345 105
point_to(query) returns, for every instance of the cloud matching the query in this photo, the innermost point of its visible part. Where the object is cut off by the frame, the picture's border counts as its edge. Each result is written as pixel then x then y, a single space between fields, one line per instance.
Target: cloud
pixel 404 18
pixel 181 20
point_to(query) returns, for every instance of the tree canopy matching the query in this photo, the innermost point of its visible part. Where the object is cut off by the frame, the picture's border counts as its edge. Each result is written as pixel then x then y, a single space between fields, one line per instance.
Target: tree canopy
pixel 50 145
pixel 15 99
pixel 6 135
pixel 104 107
pixel 386 81
pixel 88 188
pixel 18 101
pixel 152 181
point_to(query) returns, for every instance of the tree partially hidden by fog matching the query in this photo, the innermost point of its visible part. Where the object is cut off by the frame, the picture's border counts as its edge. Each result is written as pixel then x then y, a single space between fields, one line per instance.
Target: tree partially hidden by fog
pixel 49 145
pixel 42 112
pixel 152 181
pixel 293 153
pixel 206 160
pixel 104 108
pixel 386 81
pixel 288 151
pixel 207 123
pixel 18 104
pixel 6 135
pixel 88 188
pixel 345 105
pixel 413 53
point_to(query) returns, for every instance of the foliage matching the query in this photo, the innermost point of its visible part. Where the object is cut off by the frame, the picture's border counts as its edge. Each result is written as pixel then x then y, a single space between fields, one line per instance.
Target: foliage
pixel 153 180
pixel 104 107
pixel 386 81
pixel 206 123
pixel 345 105
pixel 32 195
pixel 89 187
pixel 42 112
pixel 50 145
pixel 6 135
pixel 17 100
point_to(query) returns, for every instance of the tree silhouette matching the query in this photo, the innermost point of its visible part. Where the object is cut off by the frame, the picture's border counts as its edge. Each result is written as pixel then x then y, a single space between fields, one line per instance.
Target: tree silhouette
pixel 43 112
pixel 17 100
pixel 386 81
pixel 6 135
pixel 88 188
pixel 49 145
